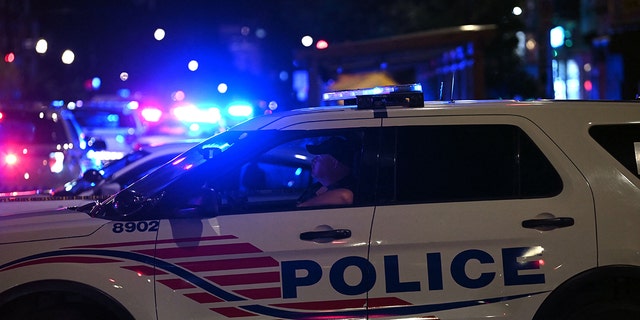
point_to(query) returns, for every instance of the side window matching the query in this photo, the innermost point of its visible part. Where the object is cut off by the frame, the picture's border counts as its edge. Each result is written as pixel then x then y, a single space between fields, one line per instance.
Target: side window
pixel 281 177
pixel 470 163
pixel 622 142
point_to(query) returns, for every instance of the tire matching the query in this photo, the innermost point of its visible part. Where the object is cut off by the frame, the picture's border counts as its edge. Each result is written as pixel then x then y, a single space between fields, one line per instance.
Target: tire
pixel 606 310
pixel 65 312
pixel 70 312
pixel 613 294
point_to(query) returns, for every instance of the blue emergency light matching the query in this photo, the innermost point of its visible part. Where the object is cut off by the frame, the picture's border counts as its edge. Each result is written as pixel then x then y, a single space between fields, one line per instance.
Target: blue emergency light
pixel 408 95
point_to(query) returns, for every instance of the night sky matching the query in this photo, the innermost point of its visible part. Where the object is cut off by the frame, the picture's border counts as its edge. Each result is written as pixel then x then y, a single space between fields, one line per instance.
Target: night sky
pixel 110 37
pixel 114 36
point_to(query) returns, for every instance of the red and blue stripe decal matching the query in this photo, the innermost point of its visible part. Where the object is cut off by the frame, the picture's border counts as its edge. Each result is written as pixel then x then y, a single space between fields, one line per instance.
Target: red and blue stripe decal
pixel 207 271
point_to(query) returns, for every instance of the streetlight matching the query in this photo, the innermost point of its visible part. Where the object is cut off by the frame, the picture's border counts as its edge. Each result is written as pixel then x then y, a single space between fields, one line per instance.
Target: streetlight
pixel 42 46
pixel 159 34
pixel 68 56
pixel 307 41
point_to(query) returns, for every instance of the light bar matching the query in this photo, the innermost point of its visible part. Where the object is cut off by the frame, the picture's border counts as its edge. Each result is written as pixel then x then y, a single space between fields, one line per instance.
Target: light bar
pixel 352 94
pixel 408 96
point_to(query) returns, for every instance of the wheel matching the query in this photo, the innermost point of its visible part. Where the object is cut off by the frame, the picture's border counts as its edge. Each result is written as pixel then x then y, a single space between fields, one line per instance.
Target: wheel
pixel 65 312
pixel 622 310
pixel 610 294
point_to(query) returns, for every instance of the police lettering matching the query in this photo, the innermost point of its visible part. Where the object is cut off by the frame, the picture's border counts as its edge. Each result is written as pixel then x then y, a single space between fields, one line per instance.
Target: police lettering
pixel 304 273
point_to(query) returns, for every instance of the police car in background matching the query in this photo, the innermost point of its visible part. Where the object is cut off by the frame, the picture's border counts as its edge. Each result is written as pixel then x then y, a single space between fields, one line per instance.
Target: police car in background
pixel 40 147
pixel 96 184
pixel 118 174
pixel 111 121
pixel 462 210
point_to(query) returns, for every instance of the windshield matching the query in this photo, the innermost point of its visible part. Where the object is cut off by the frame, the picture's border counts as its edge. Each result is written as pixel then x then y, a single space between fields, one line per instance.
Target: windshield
pixel 190 169
pixel 188 162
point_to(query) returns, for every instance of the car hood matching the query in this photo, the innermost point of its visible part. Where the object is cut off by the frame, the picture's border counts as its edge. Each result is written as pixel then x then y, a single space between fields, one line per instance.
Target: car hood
pixel 42 224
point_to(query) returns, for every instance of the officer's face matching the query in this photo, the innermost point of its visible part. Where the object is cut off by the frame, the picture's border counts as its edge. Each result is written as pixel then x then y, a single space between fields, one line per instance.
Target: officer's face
pixel 321 165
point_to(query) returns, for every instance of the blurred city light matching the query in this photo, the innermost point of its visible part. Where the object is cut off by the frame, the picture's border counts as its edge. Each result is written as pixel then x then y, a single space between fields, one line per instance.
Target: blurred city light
pixel 322 44
pixel 68 56
pixel 11 159
pixel 516 11
pixel 151 114
pixel 240 109
pixel 9 57
pixel 133 105
pixel 261 33
pixel 193 65
pixel 283 75
pixel 124 93
pixel 588 86
pixel 96 83
pixel 42 46
pixel 307 41
pixel 159 34
pixel 557 37
pixel 191 114
pixel 222 87
pixel 178 95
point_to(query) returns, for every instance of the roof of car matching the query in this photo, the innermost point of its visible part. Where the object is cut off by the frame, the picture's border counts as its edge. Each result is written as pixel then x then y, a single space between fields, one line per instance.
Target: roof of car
pixel 596 111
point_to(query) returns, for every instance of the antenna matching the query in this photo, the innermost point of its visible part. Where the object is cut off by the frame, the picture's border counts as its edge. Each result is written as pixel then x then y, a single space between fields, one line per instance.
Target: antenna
pixel 453 81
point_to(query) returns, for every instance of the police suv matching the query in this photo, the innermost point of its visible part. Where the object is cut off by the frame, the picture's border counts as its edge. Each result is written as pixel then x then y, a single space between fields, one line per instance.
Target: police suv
pixel 461 210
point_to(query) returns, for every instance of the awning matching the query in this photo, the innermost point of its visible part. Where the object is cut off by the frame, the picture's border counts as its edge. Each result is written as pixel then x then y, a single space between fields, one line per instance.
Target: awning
pixel 361 80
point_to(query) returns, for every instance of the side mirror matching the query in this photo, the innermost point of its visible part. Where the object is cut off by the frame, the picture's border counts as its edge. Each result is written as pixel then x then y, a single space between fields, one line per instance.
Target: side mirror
pixel 128 203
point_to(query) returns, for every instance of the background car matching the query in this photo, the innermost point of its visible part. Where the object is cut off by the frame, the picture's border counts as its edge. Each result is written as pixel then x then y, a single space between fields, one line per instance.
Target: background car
pixel 40 147
pixel 118 174
pixel 116 122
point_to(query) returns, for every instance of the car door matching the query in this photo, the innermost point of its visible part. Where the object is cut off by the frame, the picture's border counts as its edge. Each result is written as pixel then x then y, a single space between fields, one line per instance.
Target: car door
pixel 261 257
pixel 485 217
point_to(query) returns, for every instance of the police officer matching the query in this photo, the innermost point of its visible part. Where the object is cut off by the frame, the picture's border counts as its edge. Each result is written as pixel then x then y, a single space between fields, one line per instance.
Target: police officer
pixel 331 167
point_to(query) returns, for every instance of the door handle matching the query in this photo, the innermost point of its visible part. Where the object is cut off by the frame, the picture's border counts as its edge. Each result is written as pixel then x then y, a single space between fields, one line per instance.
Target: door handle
pixel 325 234
pixel 548 223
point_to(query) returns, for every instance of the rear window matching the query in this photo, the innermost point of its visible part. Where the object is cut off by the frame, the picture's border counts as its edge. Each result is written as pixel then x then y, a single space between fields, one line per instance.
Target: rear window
pixel 470 163
pixel 31 127
pixel 622 142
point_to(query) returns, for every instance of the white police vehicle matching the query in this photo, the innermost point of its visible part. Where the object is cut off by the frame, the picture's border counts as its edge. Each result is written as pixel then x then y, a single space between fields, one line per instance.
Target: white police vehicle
pixel 112 122
pixel 462 210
